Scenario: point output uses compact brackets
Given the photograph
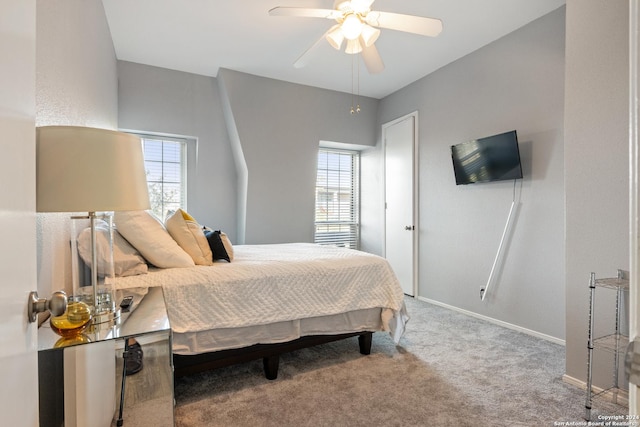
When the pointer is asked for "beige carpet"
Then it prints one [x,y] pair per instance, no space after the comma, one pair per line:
[449,370]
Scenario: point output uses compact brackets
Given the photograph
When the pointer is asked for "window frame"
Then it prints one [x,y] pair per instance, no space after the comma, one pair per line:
[353,223]
[184,166]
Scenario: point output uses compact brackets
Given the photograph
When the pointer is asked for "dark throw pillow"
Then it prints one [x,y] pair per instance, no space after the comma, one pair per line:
[217,242]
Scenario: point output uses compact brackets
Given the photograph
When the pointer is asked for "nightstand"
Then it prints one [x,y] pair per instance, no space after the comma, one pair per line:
[148,394]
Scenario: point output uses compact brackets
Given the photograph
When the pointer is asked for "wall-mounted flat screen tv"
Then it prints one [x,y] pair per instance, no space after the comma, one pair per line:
[493,158]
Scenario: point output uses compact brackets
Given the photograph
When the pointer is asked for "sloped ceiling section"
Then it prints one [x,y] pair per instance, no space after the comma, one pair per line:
[238,156]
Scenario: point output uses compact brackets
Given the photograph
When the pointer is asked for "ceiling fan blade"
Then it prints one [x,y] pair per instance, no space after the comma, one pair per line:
[303,59]
[408,23]
[372,59]
[303,12]
[362,4]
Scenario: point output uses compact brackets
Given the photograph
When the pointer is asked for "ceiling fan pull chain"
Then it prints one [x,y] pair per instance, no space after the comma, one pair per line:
[358,83]
[352,85]
[355,84]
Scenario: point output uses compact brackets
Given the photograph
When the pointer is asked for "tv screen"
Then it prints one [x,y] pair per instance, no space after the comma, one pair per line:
[493,158]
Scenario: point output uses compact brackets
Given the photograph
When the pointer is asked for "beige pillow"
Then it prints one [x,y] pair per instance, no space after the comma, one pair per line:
[188,233]
[127,261]
[149,236]
[227,245]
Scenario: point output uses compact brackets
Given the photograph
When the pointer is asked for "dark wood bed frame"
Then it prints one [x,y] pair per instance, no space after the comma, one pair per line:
[269,353]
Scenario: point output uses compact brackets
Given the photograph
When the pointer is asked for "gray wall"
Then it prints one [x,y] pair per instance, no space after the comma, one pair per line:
[152,99]
[596,162]
[254,175]
[277,127]
[517,83]
[76,84]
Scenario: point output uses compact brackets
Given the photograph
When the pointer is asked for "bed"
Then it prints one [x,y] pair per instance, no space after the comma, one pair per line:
[272,299]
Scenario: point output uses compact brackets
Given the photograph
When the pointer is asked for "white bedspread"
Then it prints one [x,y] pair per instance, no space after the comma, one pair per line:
[272,283]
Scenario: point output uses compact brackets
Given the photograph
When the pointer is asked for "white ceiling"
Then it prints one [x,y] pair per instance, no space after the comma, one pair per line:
[201,36]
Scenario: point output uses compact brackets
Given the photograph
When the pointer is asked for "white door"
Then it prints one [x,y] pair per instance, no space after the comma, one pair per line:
[18,338]
[400,214]
[634,190]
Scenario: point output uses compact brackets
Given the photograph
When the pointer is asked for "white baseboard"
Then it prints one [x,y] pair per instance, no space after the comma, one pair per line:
[496,321]
[622,395]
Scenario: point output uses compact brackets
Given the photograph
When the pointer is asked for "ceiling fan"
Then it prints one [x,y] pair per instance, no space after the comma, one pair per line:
[359,26]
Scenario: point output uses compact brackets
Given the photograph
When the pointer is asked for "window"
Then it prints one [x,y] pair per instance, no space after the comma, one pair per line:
[165,165]
[337,198]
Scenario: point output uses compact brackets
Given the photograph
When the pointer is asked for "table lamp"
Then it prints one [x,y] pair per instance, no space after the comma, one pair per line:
[98,171]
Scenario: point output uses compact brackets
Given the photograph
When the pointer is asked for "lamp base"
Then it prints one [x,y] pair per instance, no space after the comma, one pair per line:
[106,317]
[106,312]
[92,266]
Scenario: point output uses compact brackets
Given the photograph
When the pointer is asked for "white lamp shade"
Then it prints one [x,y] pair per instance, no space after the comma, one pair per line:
[369,35]
[335,37]
[353,47]
[82,169]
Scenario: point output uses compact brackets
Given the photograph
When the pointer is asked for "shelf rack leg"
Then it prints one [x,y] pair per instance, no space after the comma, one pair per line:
[616,363]
[592,295]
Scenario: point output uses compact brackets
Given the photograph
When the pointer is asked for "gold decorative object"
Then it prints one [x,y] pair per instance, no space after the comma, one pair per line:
[67,342]
[73,322]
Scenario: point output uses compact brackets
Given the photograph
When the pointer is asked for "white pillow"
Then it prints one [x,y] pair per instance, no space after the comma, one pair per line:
[188,233]
[149,236]
[127,261]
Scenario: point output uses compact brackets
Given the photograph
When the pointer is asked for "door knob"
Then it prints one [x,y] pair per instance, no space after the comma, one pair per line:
[57,304]
[408,227]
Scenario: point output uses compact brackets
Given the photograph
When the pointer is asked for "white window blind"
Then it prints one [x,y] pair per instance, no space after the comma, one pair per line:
[337,198]
[165,165]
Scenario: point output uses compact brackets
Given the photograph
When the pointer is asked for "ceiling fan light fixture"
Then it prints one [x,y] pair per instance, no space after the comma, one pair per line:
[369,35]
[361,6]
[353,47]
[342,5]
[335,37]
[361,27]
[352,27]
